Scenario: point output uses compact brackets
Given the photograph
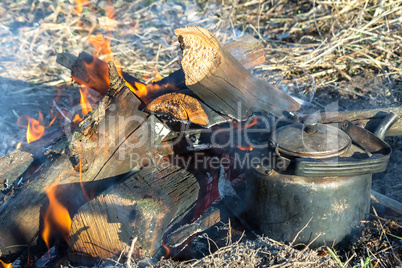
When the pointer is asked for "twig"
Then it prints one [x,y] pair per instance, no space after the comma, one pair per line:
[130,252]
[299,232]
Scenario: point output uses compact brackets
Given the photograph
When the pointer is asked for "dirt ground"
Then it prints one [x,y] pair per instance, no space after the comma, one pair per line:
[343,55]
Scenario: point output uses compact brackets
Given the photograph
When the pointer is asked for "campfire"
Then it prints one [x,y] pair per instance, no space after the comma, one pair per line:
[149,168]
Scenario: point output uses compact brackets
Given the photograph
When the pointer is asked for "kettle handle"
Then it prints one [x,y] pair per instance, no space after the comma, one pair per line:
[378,151]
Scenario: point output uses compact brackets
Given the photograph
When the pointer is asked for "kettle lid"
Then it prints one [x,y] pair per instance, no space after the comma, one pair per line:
[311,139]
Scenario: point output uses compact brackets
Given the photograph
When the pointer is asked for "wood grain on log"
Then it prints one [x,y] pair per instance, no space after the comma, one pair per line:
[144,206]
[180,106]
[219,80]
[247,50]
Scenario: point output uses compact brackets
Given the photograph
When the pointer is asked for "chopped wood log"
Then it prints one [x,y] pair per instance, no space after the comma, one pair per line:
[219,80]
[179,236]
[247,50]
[92,72]
[145,206]
[179,106]
[112,142]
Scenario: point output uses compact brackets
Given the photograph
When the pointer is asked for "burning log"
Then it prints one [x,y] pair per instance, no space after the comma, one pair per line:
[222,82]
[91,158]
[95,156]
[92,72]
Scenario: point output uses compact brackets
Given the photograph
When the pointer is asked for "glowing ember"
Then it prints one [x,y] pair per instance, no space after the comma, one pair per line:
[80,6]
[5,265]
[252,123]
[57,219]
[167,251]
[245,148]
[85,105]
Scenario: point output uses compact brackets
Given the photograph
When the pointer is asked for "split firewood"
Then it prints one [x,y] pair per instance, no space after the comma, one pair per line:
[219,80]
[179,106]
[151,205]
[145,206]
[92,72]
[247,50]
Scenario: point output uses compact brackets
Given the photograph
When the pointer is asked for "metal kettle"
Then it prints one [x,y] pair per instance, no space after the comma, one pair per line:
[316,188]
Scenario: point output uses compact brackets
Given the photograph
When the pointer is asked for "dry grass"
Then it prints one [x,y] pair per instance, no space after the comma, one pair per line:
[335,50]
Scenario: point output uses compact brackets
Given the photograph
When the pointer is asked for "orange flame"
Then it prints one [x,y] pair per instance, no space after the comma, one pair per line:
[5,265]
[158,77]
[252,123]
[18,145]
[81,184]
[77,118]
[110,10]
[35,128]
[80,6]
[245,148]
[56,217]
[155,74]
[86,106]
[102,47]
[141,89]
